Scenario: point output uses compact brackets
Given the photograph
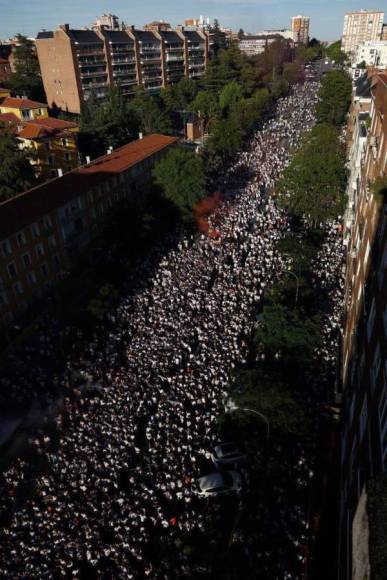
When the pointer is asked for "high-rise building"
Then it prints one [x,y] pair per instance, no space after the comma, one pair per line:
[77,65]
[110,21]
[360,27]
[363,454]
[300,29]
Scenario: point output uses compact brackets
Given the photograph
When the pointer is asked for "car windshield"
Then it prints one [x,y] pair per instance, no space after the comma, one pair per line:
[227,479]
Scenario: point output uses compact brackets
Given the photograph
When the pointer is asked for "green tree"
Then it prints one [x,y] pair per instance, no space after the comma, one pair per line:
[181,176]
[16,171]
[268,394]
[230,95]
[26,80]
[226,138]
[314,184]
[111,124]
[150,116]
[288,333]
[334,52]
[334,97]
[207,105]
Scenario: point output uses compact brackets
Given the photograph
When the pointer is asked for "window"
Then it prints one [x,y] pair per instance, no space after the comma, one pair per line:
[363,418]
[18,288]
[39,248]
[371,320]
[382,412]
[21,239]
[12,271]
[27,259]
[68,156]
[44,269]
[31,277]
[6,248]
[52,242]
[3,298]
[35,231]
[51,160]
[374,371]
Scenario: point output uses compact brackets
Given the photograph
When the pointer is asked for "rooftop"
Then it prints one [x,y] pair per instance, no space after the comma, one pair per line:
[25,208]
[14,103]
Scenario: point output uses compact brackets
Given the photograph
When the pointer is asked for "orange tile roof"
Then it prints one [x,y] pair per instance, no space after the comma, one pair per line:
[52,123]
[27,207]
[15,103]
[31,131]
[9,118]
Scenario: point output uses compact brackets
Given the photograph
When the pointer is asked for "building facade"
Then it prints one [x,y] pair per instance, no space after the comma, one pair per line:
[360,27]
[51,144]
[44,230]
[373,53]
[78,65]
[5,70]
[253,45]
[363,453]
[300,29]
[283,32]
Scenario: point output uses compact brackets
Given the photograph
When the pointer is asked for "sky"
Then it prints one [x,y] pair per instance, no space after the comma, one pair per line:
[30,16]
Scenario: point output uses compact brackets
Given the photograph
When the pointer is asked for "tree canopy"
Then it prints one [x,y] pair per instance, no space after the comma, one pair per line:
[181,176]
[314,183]
[334,97]
[16,171]
[26,80]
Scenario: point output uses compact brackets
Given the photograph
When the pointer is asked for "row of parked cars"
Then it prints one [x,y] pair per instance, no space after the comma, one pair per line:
[225,481]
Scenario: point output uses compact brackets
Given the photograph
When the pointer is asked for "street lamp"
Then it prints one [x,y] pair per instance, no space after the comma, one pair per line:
[231,407]
[297,281]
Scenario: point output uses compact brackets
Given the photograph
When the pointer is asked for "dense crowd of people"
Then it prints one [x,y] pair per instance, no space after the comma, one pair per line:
[114,494]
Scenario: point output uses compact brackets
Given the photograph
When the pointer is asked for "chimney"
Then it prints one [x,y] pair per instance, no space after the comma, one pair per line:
[60,172]
[140,136]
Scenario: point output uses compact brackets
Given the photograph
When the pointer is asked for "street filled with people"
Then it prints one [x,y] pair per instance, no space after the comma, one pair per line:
[105,490]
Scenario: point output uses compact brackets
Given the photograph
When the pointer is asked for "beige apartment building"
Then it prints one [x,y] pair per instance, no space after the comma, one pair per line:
[77,65]
[360,27]
[300,29]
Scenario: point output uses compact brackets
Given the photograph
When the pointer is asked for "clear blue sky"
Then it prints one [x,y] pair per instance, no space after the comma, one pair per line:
[29,16]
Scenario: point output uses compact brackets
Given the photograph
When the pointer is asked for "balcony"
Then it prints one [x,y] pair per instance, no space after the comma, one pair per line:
[94,73]
[124,73]
[149,58]
[94,85]
[122,49]
[170,58]
[120,60]
[92,62]
[90,52]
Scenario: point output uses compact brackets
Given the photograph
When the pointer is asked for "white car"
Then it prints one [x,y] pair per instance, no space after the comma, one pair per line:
[218,484]
[227,454]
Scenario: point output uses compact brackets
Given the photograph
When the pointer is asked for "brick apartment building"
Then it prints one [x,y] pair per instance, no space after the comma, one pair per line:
[44,230]
[364,367]
[80,64]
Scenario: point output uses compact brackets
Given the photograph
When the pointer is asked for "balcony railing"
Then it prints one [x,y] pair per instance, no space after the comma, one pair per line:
[94,85]
[90,51]
[122,49]
[94,73]
[122,60]
[92,62]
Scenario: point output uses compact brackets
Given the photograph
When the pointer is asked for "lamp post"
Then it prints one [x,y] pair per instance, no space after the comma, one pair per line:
[297,282]
[231,407]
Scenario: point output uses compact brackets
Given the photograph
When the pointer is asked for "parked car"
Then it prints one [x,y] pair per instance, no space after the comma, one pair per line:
[216,484]
[227,454]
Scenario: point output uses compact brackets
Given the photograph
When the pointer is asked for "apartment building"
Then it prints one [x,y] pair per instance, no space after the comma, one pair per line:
[360,27]
[78,65]
[44,230]
[363,455]
[373,53]
[253,45]
[283,32]
[300,29]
